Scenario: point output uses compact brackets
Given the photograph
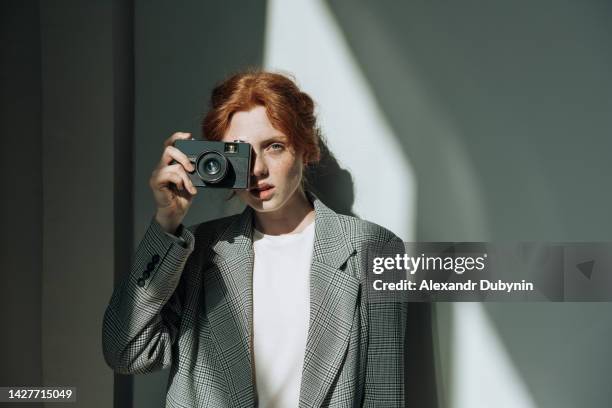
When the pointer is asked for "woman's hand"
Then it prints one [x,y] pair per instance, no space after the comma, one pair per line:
[172,188]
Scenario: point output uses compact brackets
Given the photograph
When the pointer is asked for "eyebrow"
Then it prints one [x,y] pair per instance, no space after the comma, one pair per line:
[279,138]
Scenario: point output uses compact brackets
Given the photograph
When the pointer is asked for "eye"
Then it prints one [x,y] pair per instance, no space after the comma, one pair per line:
[276,147]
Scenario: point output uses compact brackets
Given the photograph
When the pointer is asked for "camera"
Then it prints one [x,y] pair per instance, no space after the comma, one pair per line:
[218,164]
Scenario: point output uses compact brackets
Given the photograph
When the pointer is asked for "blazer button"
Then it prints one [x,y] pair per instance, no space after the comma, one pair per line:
[150,266]
[146,275]
[155,258]
[141,282]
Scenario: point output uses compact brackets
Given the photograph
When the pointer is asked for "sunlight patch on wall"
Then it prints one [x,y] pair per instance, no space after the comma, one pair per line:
[303,38]
[483,373]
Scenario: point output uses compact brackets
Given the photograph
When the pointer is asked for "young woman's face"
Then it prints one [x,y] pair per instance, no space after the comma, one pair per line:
[276,169]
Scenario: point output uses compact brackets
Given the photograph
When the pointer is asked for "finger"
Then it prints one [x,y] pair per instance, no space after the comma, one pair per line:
[175,136]
[187,183]
[172,153]
[185,195]
[168,177]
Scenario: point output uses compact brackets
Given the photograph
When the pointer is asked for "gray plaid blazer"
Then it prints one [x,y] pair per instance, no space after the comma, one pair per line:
[189,307]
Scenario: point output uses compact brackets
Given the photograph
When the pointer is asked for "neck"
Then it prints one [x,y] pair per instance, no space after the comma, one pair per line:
[292,218]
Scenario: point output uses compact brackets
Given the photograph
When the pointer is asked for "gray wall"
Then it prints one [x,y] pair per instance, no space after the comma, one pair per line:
[63,149]
[517,97]
[524,91]
[21,205]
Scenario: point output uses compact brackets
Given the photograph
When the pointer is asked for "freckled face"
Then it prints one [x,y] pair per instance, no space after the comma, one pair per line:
[276,169]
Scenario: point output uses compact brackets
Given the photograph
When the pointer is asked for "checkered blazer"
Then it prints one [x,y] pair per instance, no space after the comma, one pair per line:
[189,307]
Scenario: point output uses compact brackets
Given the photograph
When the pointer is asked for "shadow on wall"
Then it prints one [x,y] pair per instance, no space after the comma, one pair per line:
[331,183]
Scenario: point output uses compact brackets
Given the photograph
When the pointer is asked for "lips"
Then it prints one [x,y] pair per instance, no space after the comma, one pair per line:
[262,191]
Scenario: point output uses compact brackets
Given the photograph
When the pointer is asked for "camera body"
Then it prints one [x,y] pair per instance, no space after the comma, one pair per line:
[218,164]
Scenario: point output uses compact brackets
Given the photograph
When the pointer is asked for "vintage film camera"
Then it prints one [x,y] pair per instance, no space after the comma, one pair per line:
[218,164]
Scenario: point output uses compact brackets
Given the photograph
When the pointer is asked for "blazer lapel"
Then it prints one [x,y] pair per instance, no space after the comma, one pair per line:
[333,298]
[229,305]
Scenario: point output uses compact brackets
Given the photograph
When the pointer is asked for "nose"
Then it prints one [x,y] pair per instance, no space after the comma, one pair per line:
[259,170]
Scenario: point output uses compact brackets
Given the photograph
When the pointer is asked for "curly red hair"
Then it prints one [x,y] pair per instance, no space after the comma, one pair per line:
[290,110]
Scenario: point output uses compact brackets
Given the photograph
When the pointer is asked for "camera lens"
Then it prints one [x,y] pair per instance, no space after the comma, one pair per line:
[211,167]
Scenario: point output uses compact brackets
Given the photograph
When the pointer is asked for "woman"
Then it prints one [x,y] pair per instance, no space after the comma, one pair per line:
[268,307]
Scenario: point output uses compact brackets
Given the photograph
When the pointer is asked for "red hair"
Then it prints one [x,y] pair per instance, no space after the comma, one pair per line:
[290,110]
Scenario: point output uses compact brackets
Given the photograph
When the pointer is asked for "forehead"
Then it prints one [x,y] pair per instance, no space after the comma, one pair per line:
[252,126]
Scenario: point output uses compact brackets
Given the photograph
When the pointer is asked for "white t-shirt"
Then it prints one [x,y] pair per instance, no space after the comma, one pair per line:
[281,311]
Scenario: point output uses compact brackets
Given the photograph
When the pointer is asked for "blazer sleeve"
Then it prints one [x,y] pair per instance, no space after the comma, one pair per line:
[386,355]
[141,321]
